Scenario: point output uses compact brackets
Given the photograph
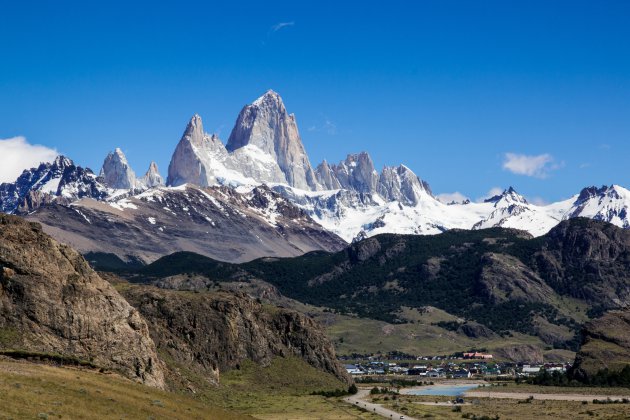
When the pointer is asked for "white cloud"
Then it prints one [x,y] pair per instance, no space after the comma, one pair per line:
[450,197]
[16,154]
[537,166]
[327,126]
[278,26]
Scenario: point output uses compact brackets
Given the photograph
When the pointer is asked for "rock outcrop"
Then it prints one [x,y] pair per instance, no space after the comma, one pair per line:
[152,178]
[116,172]
[211,333]
[54,303]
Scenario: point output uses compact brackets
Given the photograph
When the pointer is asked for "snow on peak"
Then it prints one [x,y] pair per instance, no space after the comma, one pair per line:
[268,96]
[507,197]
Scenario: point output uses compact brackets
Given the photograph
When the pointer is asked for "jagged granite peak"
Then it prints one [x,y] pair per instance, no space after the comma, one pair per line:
[326,177]
[357,173]
[192,161]
[152,178]
[401,184]
[116,171]
[266,125]
[50,181]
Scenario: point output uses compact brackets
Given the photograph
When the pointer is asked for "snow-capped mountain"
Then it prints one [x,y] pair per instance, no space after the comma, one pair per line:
[267,126]
[264,151]
[60,180]
[607,203]
[511,210]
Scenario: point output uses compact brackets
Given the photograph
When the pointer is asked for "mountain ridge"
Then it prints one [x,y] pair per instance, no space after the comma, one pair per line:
[350,199]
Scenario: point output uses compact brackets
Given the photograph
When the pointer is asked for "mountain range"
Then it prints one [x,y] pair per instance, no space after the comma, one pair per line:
[258,195]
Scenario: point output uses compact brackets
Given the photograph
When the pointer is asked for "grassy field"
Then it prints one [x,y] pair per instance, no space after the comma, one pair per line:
[33,391]
[420,336]
[280,391]
[506,409]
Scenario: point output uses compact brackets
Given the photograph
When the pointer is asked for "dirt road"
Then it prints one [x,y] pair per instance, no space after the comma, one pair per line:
[359,401]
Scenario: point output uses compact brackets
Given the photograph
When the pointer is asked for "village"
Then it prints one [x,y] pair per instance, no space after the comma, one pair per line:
[458,366]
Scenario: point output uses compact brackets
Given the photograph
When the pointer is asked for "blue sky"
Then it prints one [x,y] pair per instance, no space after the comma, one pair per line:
[470,95]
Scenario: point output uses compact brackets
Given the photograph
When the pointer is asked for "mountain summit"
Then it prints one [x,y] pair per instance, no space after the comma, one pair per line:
[116,171]
[198,157]
[266,125]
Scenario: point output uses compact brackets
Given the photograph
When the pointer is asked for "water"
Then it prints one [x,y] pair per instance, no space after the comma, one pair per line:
[446,390]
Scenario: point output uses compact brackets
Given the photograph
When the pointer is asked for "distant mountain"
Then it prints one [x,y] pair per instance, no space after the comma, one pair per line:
[265,126]
[350,199]
[117,173]
[609,204]
[215,221]
[59,181]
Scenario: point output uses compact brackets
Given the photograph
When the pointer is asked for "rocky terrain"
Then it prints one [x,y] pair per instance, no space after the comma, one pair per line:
[215,221]
[52,302]
[54,306]
[501,281]
[211,333]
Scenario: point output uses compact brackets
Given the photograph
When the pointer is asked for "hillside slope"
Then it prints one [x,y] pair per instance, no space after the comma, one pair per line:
[606,345]
[499,278]
[218,222]
[213,333]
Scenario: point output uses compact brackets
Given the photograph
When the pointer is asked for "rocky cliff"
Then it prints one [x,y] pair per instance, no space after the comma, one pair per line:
[116,171]
[52,302]
[266,125]
[210,333]
[152,177]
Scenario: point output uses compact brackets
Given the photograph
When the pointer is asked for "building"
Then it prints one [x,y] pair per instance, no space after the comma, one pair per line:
[353,370]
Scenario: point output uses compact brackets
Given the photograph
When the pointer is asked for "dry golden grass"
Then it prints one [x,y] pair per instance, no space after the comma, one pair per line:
[279,391]
[31,391]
